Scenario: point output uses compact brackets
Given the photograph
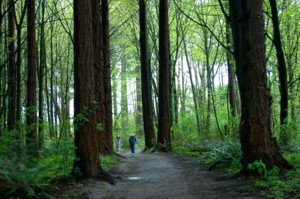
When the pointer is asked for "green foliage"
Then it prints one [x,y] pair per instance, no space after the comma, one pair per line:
[22,180]
[100,127]
[258,166]
[291,131]
[109,162]
[83,116]
[276,185]
[225,154]
[225,151]
[184,150]
[23,176]
[185,132]
[294,158]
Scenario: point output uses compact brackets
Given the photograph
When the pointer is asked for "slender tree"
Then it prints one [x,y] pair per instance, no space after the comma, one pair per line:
[192,85]
[11,66]
[146,78]
[282,72]
[107,73]
[124,95]
[231,71]
[164,135]
[31,80]
[19,61]
[256,138]
[1,70]
[41,72]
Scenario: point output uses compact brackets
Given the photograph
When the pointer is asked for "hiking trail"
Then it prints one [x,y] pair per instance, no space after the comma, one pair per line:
[164,175]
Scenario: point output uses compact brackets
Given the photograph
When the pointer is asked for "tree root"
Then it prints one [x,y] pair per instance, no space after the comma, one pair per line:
[104,175]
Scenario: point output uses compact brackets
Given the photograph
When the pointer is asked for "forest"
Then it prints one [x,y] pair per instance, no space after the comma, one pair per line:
[213,79]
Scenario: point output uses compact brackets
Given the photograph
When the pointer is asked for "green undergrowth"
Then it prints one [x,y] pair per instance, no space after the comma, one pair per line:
[22,176]
[226,155]
[184,151]
[274,184]
[109,163]
[223,154]
[28,177]
[220,154]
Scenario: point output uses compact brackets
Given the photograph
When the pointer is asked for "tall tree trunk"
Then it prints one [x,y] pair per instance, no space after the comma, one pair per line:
[11,66]
[85,130]
[256,138]
[86,151]
[139,106]
[31,80]
[164,135]
[231,71]
[124,100]
[50,93]
[115,102]
[209,83]
[146,78]
[1,71]
[1,19]
[41,74]
[19,64]
[282,72]
[231,81]
[183,90]
[98,77]
[193,87]
[107,74]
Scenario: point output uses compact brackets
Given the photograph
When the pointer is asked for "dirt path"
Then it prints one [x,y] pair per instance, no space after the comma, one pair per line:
[161,176]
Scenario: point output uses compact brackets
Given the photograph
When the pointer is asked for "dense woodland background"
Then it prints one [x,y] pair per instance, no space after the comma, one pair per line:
[88,70]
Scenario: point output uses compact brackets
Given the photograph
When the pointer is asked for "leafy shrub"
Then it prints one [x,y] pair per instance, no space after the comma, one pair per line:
[21,180]
[184,150]
[226,153]
[24,176]
[258,166]
[108,163]
[275,185]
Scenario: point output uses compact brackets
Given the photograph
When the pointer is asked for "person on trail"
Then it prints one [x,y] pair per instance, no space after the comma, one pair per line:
[118,143]
[132,141]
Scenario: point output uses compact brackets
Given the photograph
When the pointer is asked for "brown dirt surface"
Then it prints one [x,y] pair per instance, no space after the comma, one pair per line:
[162,175]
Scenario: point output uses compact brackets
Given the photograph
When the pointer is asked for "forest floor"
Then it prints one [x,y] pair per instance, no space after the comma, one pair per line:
[163,175]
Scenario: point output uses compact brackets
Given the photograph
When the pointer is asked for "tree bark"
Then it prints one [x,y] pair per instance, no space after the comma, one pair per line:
[31,80]
[42,67]
[146,78]
[19,26]
[209,83]
[107,74]
[98,71]
[115,102]
[164,136]
[86,151]
[11,117]
[139,106]
[256,138]
[282,72]
[124,99]
[1,70]
[231,71]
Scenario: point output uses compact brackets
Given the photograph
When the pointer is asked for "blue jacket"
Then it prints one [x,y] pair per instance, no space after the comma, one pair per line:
[132,140]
